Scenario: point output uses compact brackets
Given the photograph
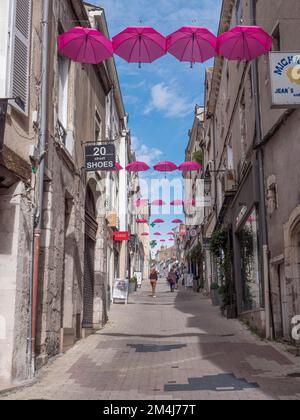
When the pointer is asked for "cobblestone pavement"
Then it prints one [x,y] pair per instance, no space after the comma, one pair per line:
[174,347]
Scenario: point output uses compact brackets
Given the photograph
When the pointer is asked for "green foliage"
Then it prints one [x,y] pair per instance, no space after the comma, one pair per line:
[198,157]
[220,248]
[196,251]
[133,280]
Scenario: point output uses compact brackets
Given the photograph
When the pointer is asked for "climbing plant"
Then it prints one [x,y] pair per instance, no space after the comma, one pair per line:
[198,157]
[221,249]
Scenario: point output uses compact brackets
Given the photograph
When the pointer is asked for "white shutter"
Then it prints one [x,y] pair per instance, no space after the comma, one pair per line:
[20,52]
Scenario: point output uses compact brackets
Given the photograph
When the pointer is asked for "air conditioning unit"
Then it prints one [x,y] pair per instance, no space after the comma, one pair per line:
[112,220]
[230,181]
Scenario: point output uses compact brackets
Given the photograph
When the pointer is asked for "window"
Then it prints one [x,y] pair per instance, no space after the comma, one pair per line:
[276,39]
[4,26]
[98,127]
[239,12]
[230,163]
[243,126]
[20,52]
[63,75]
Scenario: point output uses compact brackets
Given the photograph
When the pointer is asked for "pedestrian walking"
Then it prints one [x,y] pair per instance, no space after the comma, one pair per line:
[172,280]
[153,281]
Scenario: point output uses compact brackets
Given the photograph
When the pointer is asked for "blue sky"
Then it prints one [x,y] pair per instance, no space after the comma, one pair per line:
[161,97]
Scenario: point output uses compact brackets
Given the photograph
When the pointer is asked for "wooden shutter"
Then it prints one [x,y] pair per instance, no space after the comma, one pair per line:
[20,52]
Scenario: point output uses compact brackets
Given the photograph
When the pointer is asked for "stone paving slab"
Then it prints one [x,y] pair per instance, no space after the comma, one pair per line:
[174,347]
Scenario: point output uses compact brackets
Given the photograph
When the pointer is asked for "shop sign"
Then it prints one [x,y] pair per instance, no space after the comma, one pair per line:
[121,289]
[101,157]
[121,236]
[285,79]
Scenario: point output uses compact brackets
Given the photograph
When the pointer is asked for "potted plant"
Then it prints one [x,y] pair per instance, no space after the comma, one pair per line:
[133,285]
[215,294]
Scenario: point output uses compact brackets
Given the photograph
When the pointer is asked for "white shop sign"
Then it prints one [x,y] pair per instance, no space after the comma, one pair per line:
[121,289]
[285,79]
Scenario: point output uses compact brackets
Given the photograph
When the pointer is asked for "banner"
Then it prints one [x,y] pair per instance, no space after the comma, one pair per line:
[101,157]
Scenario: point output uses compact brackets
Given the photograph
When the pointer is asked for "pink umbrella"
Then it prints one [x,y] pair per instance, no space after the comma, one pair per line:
[158,203]
[157,234]
[171,233]
[140,44]
[177,203]
[162,240]
[141,202]
[158,221]
[190,167]
[165,167]
[177,221]
[190,202]
[141,221]
[137,167]
[117,168]
[145,234]
[244,43]
[192,44]
[171,239]
[85,45]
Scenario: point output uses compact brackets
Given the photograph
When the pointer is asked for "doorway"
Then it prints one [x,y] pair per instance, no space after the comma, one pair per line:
[89,260]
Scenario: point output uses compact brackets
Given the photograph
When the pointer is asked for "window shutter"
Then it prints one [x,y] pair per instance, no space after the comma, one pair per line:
[20,53]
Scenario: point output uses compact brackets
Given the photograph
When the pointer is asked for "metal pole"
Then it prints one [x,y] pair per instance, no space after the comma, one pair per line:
[261,177]
[42,149]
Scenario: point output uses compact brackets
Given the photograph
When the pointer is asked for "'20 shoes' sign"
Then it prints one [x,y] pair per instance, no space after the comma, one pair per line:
[100,157]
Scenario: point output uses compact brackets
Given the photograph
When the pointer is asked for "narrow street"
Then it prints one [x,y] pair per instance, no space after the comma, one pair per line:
[174,347]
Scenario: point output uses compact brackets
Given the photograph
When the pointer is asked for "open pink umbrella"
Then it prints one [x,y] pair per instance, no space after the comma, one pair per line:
[192,44]
[190,167]
[158,221]
[165,167]
[158,203]
[177,221]
[140,44]
[190,202]
[171,233]
[141,221]
[85,45]
[162,240]
[117,168]
[141,202]
[177,203]
[145,234]
[157,234]
[244,43]
[137,167]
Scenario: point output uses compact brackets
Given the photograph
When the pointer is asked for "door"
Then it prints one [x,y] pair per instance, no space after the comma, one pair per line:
[89,278]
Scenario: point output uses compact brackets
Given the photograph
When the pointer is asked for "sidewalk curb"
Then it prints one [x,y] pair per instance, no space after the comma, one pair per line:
[16,388]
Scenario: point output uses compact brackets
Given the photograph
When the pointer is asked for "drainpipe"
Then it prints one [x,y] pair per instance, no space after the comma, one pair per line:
[261,176]
[42,151]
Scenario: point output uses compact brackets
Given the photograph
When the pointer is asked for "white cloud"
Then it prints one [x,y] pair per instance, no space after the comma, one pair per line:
[144,153]
[167,100]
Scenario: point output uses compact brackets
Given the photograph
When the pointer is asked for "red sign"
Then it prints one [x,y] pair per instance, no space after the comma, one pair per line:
[121,236]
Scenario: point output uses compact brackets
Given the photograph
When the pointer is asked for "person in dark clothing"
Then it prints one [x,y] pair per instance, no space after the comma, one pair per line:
[172,280]
[153,281]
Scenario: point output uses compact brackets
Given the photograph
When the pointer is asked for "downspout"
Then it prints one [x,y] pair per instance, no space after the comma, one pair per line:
[42,151]
[261,178]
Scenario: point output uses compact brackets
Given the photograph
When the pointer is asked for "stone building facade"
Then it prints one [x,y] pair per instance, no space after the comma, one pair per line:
[78,257]
[247,157]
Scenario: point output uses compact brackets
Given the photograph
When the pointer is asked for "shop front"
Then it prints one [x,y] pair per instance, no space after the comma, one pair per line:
[247,248]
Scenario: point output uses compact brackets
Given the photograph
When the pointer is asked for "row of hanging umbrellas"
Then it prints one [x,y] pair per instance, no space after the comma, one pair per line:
[160,203]
[164,167]
[158,221]
[143,44]
[160,167]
